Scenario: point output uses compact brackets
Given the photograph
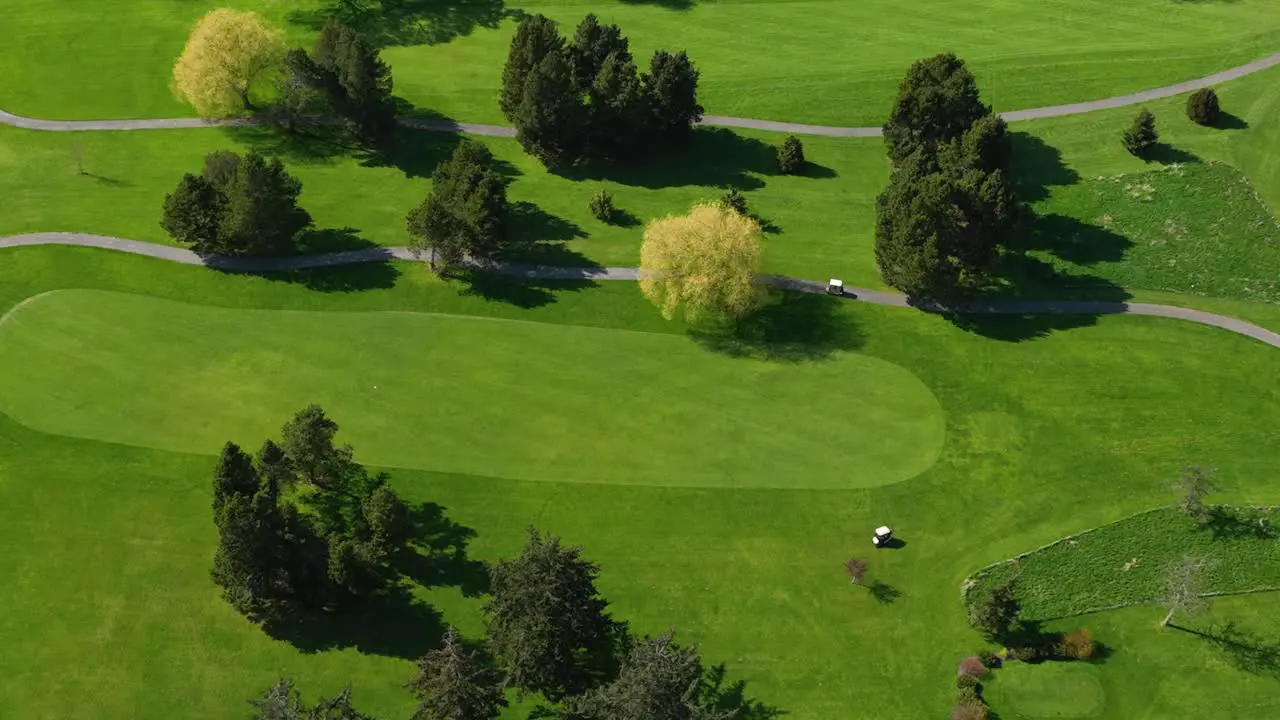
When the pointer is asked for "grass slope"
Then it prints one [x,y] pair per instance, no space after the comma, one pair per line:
[1074,426]
[500,398]
[1124,562]
[816,61]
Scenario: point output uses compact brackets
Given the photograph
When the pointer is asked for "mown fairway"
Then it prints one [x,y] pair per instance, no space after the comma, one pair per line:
[1080,423]
[816,61]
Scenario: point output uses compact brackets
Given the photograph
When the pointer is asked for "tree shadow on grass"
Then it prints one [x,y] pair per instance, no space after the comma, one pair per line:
[883,592]
[1073,241]
[326,240]
[445,562]
[1037,166]
[791,327]
[357,277]
[311,143]
[393,624]
[1228,121]
[413,151]
[731,698]
[1226,523]
[1166,154]
[522,292]
[677,5]
[409,22]
[712,157]
[1246,650]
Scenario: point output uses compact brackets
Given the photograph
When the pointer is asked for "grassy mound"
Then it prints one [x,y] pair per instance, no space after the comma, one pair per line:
[1123,563]
[817,61]
[1198,229]
[498,398]
[1052,691]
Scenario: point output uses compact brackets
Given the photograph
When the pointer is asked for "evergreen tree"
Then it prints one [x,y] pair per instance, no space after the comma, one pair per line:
[356,80]
[1141,136]
[549,118]
[791,156]
[915,216]
[615,109]
[672,89]
[453,683]
[937,102]
[193,213]
[546,620]
[233,475]
[1203,107]
[262,216]
[248,564]
[307,440]
[273,465]
[280,702]
[220,168]
[658,680]
[536,38]
[465,214]
[592,45]
[387,523]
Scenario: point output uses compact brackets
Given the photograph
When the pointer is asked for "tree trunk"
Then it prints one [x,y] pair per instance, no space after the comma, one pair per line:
[1167,618]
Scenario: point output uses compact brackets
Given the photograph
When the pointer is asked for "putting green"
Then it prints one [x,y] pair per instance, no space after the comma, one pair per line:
[1049,691]
[464,395]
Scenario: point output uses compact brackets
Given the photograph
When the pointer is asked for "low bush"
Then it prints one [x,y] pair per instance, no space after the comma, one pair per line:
[1141,136]
[988,658]
[602,206]
[965,694]
[1202,107]
[972,667]
[966,681]
[973,709]
[791,156]
[1077,645]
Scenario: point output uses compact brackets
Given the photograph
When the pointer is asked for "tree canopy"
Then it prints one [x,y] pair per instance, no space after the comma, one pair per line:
[454,683]
[344,76]
[658,680]
[465,214]
[546,620]
[239,205]
[702,265]
[228,51]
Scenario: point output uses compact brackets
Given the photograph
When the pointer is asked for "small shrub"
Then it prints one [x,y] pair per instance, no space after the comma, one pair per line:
[970,710]
[791,156]
[1202,107]
[1030,654]
[988,658]
[602,206]
[972,667]
[1078,645]
[966,694]
[857,570]
[1141,136]
[735,201]
[966,681]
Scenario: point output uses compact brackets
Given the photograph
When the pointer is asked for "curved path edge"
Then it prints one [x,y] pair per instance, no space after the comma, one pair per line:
[1117,101]
[545,272]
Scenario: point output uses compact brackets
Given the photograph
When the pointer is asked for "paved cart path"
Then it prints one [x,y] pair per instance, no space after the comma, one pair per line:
[875,297]
[712,120]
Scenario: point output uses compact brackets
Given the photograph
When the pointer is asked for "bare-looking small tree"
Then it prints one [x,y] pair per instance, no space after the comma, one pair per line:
[1193,486]
[1183,589]
[857,570]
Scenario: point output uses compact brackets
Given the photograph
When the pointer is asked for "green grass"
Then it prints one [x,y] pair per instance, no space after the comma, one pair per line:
[1198,229]
[1123,563]
[1076,425]
[1051,691]
[500,398]
[1154,673]
[832,62]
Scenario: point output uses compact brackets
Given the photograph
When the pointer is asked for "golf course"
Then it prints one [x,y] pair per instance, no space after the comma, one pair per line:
[1100,410]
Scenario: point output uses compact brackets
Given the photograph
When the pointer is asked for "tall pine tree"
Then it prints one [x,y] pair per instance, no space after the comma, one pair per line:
[454,683]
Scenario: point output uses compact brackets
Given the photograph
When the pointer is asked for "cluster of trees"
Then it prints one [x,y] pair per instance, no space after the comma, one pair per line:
[586,100]
[302,527]
[237,205]
[465,214]
[703,266]
[548,632]
[950,206]
[231,53]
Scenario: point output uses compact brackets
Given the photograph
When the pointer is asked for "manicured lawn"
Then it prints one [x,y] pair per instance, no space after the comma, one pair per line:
[816,61]
[1124,562]
[1076,425]
[1047,692]
[526,401]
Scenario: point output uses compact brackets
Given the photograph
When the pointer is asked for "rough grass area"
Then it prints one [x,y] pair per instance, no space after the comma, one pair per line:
[1196,228]
[1123,563]
[823,61]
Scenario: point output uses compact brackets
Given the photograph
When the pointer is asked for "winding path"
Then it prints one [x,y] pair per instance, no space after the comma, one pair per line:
[875,297]
[711,120]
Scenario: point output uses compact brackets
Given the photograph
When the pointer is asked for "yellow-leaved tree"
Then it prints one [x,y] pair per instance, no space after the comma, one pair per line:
[227,51]
[703,265]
